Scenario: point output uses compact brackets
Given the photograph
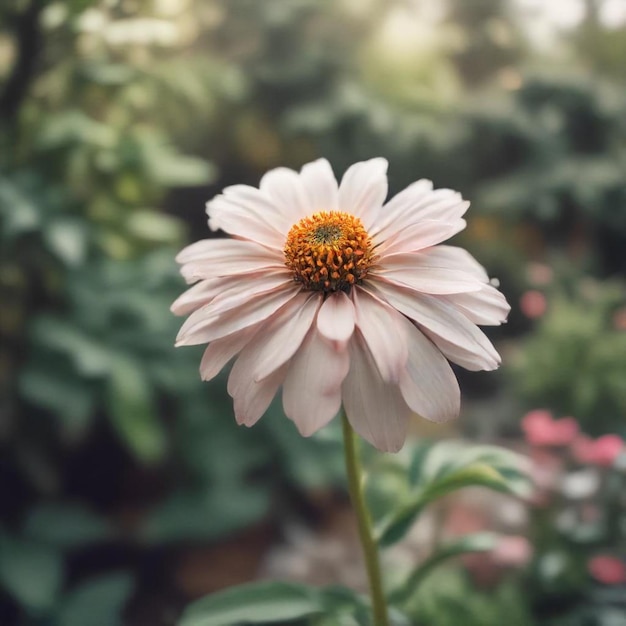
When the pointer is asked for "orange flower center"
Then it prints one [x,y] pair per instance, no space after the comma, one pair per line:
[329,251]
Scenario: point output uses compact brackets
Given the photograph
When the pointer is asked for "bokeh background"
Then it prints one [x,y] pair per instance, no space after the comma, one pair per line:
[126,489]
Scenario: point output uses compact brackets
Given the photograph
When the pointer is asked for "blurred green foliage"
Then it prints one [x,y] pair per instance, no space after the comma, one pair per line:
[118,120]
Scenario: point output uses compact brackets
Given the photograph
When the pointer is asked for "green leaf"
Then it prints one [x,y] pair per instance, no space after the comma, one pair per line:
[479,542]
[65,525]
[134,412]
[207,515]
[98,602]
[447,468]
[67,238]
[255,603]
[31,572]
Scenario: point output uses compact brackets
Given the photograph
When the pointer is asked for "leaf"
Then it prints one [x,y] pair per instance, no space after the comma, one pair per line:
[67,238]
[98,602]
[31,572]
[479,542]
[448,467]
[255,603]
[133,411]
[65,525]
[207,515]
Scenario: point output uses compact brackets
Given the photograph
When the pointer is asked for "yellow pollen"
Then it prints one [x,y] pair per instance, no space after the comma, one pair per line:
[329,251]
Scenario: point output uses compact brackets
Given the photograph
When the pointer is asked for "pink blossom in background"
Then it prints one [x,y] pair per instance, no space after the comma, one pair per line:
[539,273]
[602,451]
[540,429]
[533,304]
[512,551]
[607,569]
[619,319]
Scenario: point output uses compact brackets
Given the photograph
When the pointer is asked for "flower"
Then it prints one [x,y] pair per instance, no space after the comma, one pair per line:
[339,298]
[533,304]
[601,451]
[541,430]
[607,569]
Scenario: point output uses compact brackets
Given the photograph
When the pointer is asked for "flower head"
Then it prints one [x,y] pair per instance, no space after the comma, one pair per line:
[339,298]
[540,429]
[601,451]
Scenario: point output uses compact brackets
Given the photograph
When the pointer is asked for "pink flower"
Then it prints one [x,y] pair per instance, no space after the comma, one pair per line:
[340,299]
[512,551]
[541,430]
[607,569]
[539,273]
[533,304]
[619,319]
[602,451]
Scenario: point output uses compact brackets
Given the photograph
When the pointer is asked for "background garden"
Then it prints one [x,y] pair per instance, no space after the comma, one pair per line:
[126,489]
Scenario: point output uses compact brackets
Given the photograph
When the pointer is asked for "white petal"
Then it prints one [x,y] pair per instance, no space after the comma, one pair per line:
[259,203]
[384,334]
[460,340]
[336,318]
[487,307]
[428,384]
[425,280]
[227,213]
[414,205]
[202,270]
[320,185]
[401,203]
[245,288]
[375,409]
[224,249]
[253,400]
[363,190]
[200,328]
[452,257]
[222,350]
[200,294]
[418,236]
[281,336]
[286,190]
[312,388]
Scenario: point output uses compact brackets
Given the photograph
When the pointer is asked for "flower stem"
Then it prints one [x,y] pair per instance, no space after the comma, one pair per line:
[370,549]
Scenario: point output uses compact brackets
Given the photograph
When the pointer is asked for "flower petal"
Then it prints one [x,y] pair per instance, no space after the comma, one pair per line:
[222,350]
[239,221]
[335,319]
[375,409]
[417,204]
[363,190]
[428,384]
[281,335]
[251,402]
[320,185]
[383,332]
[312,387]
[419,236]
[200,294]
[424,279]
[286,190]
[487,306]
[202,328]
[246,288]
[460,340]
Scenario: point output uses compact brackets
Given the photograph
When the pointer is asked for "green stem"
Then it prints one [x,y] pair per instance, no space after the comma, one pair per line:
[370,549]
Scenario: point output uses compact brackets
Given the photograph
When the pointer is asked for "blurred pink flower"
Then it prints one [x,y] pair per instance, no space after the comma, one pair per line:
[602,451]
[339,298]
[619,319]
[533,304]
[539,273]
[512,551]
[607,569]
[540,429]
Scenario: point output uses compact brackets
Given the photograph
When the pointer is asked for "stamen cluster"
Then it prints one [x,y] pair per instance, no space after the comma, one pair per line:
[329,251]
